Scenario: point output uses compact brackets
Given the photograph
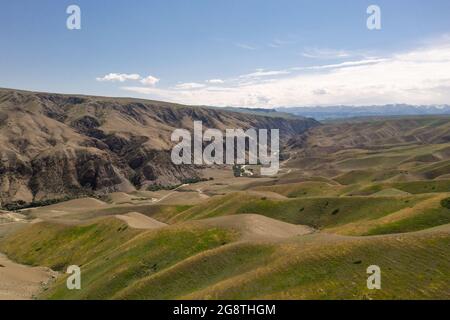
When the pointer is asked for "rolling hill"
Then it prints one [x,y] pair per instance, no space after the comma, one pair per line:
[352,193]
[213,259]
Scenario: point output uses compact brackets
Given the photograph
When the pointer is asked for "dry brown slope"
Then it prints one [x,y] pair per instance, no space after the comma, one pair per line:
[20,282]
[53,145]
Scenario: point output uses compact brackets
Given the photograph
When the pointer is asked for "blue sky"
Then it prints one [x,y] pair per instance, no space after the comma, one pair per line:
[259,53]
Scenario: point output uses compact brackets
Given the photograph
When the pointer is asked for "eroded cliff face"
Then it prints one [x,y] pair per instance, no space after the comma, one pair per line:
[59,145]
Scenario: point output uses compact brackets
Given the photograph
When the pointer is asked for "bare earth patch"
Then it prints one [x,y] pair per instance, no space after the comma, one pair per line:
[19,282]
[137,220]
[254,227]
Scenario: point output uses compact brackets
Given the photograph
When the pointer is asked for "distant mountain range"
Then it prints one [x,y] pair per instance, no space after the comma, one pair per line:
[341,112]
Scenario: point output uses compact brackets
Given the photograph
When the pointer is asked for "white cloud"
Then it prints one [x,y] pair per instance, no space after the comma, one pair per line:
[263,73]
[323,53]
[419,76]
[120,77]
[343,64]
[245,46]
[320,91]
[277,43]
[150,81]
[189,85]
[215,81]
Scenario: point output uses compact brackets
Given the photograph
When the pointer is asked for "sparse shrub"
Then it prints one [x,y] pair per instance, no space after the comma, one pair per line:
[445,203]
[154,187]
[59,266]
[105,198]
[335,211]
[158,187]
[20,204]
[194,180]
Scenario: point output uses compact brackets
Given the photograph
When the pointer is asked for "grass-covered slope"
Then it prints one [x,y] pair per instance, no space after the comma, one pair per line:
[111,255]
[306,189]
[357,215]
[198,262]
[414,266]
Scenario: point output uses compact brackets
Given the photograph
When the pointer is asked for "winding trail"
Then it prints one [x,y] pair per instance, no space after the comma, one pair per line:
[169,194]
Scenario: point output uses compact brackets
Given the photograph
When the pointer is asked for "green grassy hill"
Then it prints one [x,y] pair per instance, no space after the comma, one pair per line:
[111,254]
[194,261]
[357,215]
[413,187]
